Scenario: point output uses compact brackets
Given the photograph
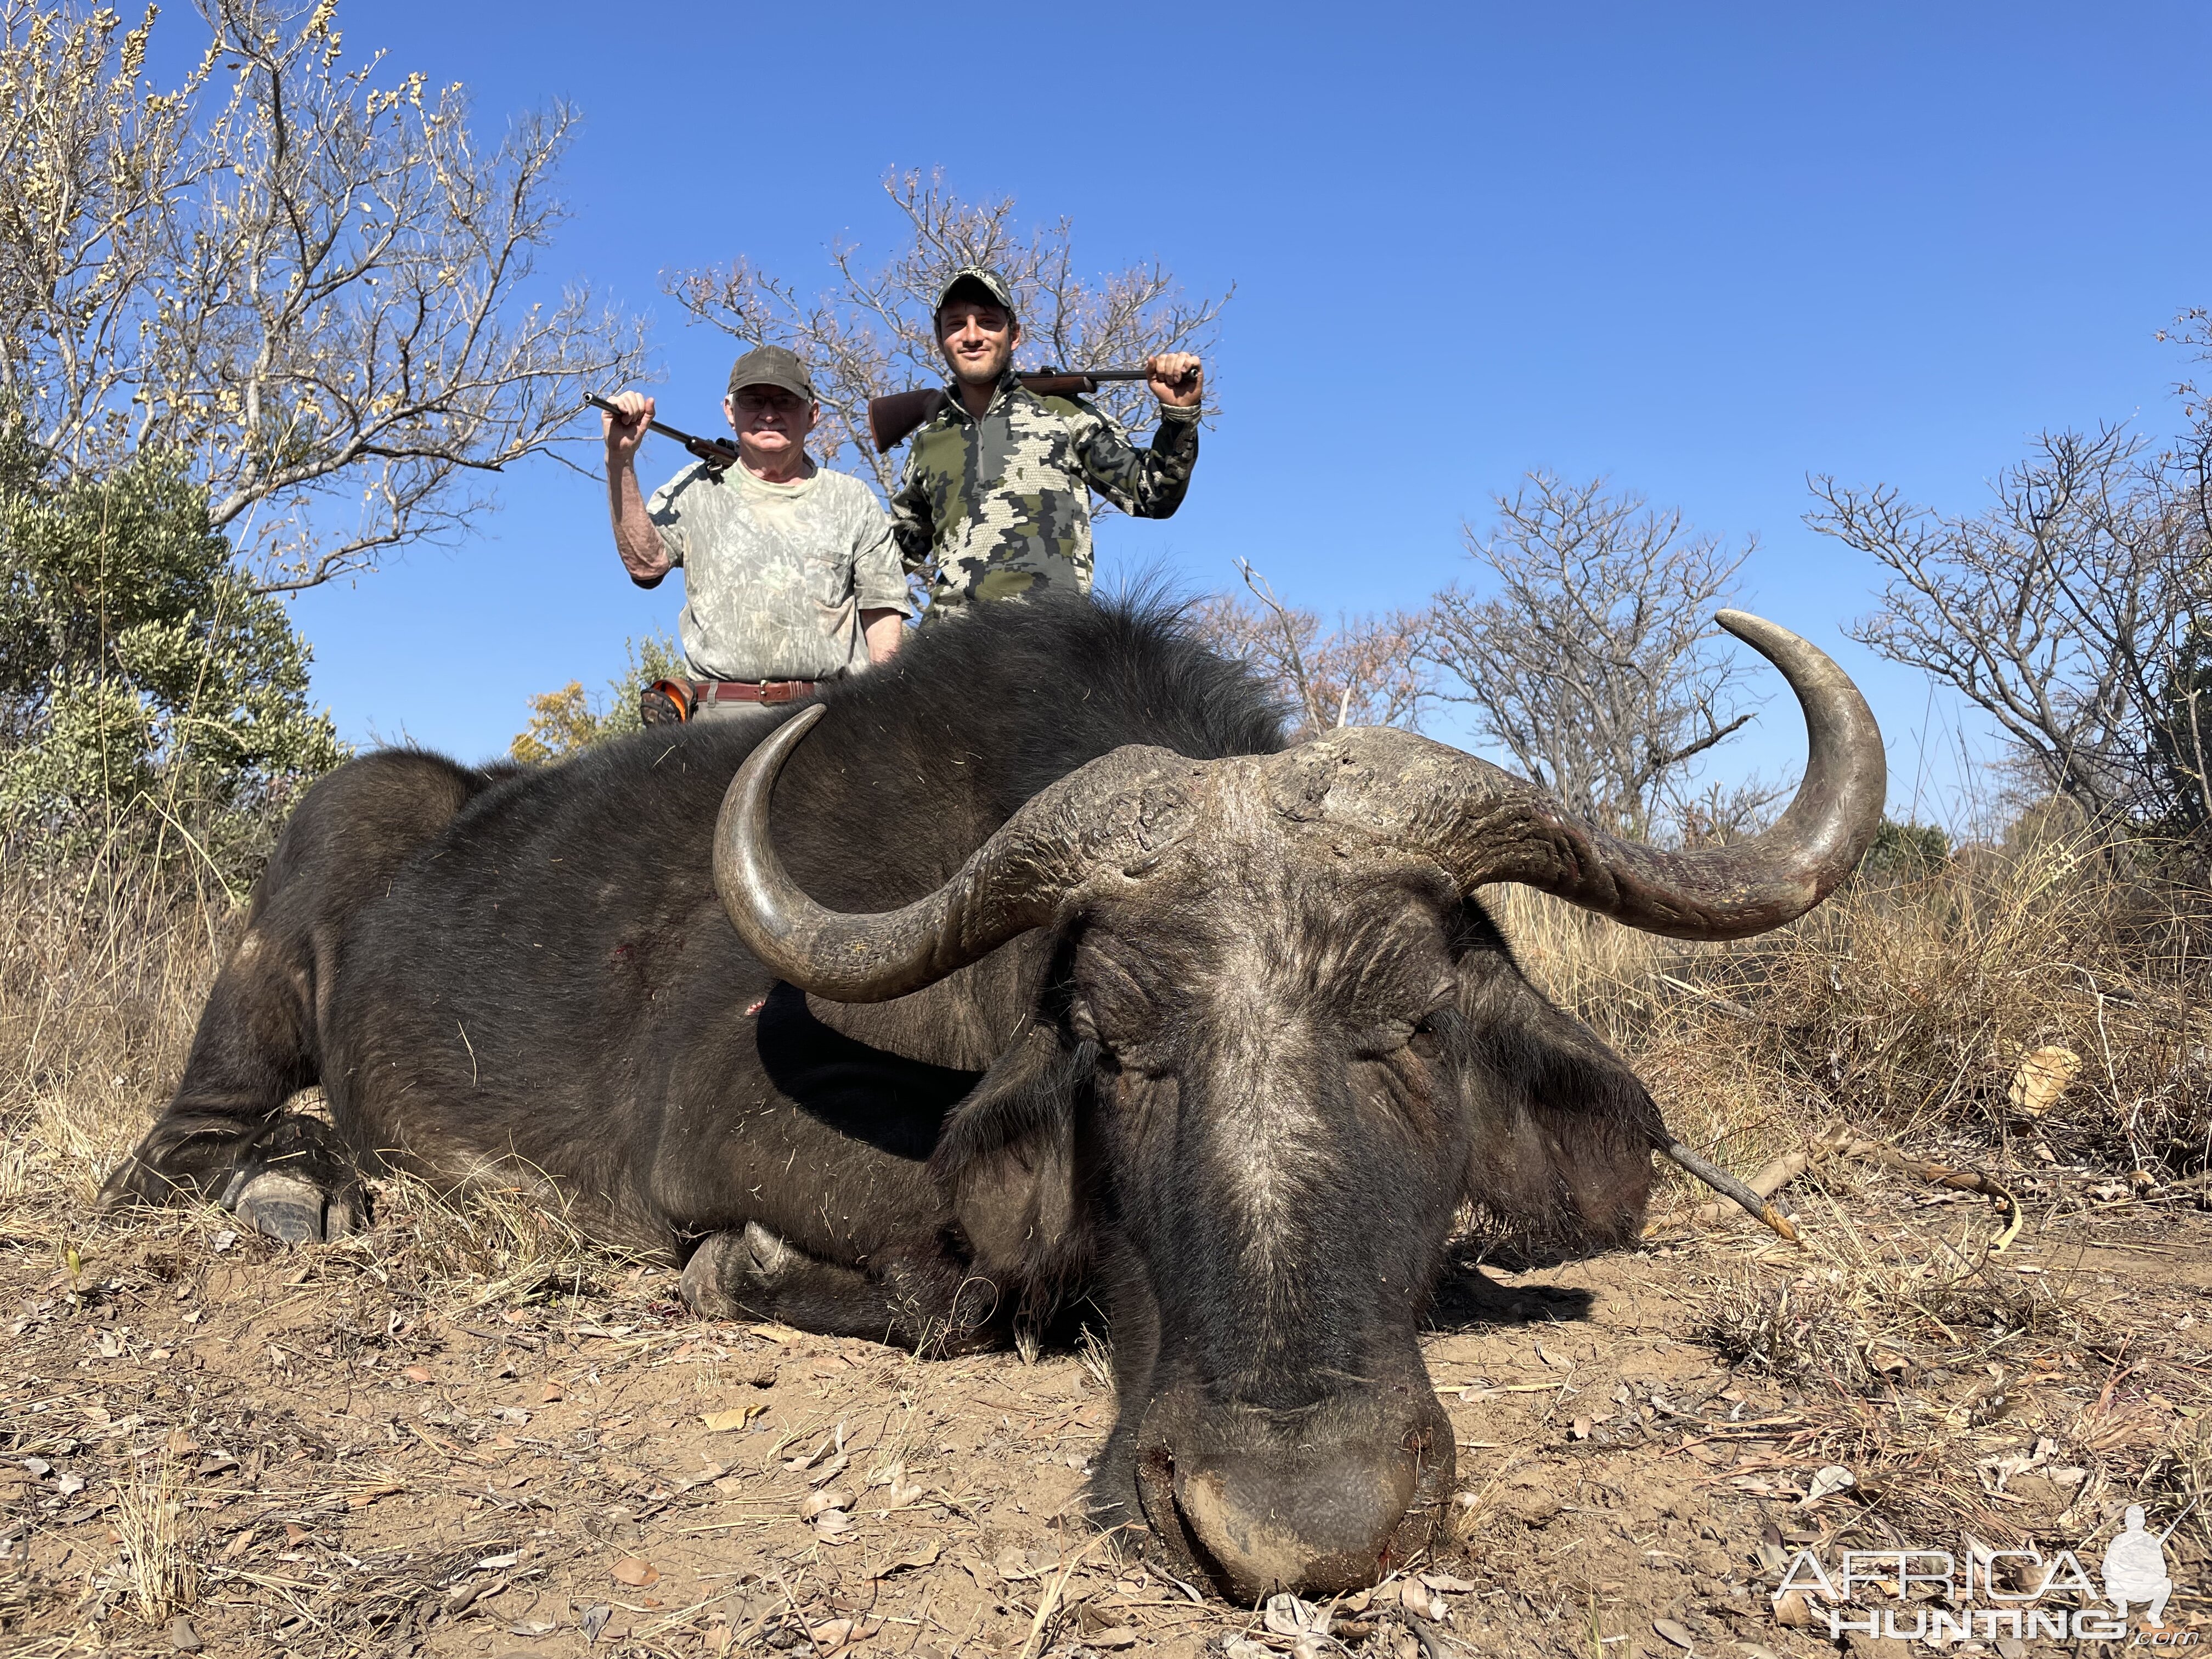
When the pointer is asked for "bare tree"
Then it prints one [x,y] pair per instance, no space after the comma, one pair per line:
[2072,612]
[869,332]
[1590,658]
[307,277]
[1362,673]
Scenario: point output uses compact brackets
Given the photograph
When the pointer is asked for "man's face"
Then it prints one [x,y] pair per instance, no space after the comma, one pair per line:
[978,339]
[769,422]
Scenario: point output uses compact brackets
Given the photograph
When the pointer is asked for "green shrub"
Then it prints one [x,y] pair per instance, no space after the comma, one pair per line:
[151,703]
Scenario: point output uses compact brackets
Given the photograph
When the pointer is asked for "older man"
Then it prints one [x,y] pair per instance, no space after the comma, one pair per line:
[790,579]
[996,494]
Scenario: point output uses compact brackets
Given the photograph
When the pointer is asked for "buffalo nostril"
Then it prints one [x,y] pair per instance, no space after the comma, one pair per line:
[1313,1523]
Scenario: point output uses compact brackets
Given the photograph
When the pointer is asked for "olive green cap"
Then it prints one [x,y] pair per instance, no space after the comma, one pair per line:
[981,285]
[772,366]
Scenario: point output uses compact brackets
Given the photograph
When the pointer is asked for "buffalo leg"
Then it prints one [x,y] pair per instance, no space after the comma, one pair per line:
[226,1137]
[921,1300]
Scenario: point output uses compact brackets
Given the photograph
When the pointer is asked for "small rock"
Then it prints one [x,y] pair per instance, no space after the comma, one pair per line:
[182,1637]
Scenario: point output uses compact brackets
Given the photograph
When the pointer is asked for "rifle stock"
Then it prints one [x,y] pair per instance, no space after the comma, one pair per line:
[892,418]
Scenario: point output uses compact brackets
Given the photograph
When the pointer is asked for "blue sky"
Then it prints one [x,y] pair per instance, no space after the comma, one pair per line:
[1705,251]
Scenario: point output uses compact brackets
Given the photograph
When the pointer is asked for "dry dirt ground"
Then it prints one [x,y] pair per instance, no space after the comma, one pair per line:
[308,1456]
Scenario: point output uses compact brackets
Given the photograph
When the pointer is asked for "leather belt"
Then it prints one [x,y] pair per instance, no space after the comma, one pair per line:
[753,691]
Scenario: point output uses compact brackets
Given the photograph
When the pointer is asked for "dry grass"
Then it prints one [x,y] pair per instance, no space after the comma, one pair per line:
[497,1239]
[100,984]
[157,1568]
[1855,1317]
[1905,1006]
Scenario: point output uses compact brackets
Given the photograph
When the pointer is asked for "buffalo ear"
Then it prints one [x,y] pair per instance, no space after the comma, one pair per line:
[1007,1155]
[1563,1130]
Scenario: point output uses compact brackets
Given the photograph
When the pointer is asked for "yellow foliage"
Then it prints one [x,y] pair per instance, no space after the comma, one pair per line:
[561,723]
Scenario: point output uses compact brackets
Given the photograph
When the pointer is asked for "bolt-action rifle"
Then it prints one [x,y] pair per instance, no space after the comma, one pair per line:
[717,453]
[890,418]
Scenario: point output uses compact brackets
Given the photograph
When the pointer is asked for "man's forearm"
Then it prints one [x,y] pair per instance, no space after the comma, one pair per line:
[884,630]
[635,538]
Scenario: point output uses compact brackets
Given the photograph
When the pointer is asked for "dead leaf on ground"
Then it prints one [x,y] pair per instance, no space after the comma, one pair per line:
[1826,1483]
[1416,1597]
[2041,1079]
[922,1555]
[635,1572]
[1677,1633]
[835,1439]
[736,1418]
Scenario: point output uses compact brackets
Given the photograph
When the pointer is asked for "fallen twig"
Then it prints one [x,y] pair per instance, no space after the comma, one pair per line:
[1840,1140]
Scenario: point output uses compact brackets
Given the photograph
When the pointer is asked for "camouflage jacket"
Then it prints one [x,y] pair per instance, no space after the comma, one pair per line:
[1003,506]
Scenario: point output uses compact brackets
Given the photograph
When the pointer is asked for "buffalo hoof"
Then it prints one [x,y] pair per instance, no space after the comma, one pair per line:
[727,1266]
[290,1210]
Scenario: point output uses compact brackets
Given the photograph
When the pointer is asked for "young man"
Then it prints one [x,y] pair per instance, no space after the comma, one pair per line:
[997,485]
[790,575]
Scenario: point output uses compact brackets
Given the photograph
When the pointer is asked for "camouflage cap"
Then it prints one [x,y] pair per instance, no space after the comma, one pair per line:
[772,366]
[992,285]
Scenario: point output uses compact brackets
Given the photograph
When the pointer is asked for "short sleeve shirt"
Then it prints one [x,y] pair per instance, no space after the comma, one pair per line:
[775,575]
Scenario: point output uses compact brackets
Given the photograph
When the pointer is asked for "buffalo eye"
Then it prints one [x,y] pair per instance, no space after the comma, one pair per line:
[1425,1043]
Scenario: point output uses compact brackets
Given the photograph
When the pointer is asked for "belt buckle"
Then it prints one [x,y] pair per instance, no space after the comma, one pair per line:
[776,691]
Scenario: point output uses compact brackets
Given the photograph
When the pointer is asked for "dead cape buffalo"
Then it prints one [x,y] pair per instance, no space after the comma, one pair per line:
[1033,965]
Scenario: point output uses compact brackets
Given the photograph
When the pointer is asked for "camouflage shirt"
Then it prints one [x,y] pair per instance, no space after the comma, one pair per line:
[1003,504]
[775,575]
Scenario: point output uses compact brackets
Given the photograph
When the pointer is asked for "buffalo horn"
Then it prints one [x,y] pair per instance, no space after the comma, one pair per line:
[1113,811]
[1483,825]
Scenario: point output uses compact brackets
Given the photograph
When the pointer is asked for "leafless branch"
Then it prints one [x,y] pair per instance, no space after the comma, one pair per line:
[306,277]
[1360,673]
[1588,657]
[2073,611]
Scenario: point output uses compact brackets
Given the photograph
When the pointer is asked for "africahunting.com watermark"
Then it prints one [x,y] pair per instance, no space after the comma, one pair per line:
[2002,1596]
